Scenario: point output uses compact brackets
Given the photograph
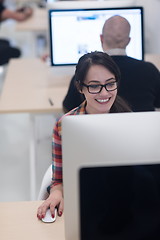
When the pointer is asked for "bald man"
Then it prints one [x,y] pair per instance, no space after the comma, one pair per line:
[140,80]
[115,34]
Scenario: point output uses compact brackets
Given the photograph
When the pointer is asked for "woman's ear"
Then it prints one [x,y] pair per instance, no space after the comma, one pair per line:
[79,88]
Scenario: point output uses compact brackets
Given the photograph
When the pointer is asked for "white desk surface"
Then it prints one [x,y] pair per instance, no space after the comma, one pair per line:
[18,221]
[30,83]
[37,22]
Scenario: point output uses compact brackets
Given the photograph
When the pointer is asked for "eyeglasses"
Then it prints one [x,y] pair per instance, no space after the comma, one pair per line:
[97,88]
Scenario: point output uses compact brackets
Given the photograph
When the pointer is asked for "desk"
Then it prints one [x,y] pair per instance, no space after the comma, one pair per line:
[29,87]
[30,83]
[18,221]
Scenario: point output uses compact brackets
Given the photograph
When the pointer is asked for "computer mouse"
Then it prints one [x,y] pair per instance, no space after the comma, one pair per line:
[48,218]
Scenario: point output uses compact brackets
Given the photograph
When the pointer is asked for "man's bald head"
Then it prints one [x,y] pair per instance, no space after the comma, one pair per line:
[115,33]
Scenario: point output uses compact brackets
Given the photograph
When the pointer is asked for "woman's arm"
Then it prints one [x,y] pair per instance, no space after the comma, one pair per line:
[55,198]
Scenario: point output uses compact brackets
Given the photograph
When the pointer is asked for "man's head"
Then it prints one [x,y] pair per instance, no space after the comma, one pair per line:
[115,33]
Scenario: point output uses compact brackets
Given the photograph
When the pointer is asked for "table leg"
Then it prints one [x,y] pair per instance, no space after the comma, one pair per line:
[32,158]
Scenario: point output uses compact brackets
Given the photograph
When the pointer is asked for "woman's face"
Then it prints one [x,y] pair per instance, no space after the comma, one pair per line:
[103,101]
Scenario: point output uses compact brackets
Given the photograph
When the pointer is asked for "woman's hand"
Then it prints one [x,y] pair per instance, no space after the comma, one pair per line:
[55,199]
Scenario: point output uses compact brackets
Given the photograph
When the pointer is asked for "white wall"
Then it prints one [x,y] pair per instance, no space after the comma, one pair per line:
[151,25]
[151,22]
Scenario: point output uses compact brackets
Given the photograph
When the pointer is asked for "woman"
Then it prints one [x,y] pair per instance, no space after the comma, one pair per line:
[97,77]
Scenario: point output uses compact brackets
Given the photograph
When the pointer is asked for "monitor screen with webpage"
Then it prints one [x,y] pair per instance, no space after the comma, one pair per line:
[112,145]
[74,32]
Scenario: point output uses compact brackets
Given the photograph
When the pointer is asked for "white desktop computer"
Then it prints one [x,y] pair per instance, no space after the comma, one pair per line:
[111,176]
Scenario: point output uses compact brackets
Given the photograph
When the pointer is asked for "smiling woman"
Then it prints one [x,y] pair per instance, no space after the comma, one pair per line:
[97,81]
[97,77]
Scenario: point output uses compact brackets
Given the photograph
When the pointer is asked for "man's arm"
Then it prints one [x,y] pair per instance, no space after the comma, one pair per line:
[16,15]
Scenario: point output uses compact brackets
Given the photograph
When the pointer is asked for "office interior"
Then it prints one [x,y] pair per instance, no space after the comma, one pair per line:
[15,127]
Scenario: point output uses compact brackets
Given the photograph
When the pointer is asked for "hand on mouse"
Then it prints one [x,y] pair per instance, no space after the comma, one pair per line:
[48,218]
[55,199]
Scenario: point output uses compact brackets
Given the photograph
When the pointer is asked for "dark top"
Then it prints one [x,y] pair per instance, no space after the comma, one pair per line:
[139,85]
[1,9]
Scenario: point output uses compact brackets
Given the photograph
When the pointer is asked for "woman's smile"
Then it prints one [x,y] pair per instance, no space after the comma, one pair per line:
[102,100]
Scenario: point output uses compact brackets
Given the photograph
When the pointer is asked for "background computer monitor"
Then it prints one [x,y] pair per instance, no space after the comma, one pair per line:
[107,140]
[73,32]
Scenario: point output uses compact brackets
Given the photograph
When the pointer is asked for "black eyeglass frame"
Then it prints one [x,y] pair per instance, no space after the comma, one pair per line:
[102,86]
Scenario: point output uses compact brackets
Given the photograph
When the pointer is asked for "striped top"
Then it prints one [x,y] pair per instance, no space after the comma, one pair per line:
[57,145]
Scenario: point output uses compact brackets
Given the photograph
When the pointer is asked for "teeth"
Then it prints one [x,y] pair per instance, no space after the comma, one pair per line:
[103,100]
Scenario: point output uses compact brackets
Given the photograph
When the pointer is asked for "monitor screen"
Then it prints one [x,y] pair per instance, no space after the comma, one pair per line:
[108,141]
[74,32]
[120,202]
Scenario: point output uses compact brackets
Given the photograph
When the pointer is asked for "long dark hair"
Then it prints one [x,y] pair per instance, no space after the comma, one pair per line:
[103,59]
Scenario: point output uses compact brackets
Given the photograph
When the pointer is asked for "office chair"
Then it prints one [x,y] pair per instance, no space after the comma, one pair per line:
[46,181]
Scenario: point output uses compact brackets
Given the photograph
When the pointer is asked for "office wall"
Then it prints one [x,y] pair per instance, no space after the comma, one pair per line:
[151,25]
[151,22]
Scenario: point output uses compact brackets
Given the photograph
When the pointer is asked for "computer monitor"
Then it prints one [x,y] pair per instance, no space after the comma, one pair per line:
[103,140]
[120,202]
[74,32]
